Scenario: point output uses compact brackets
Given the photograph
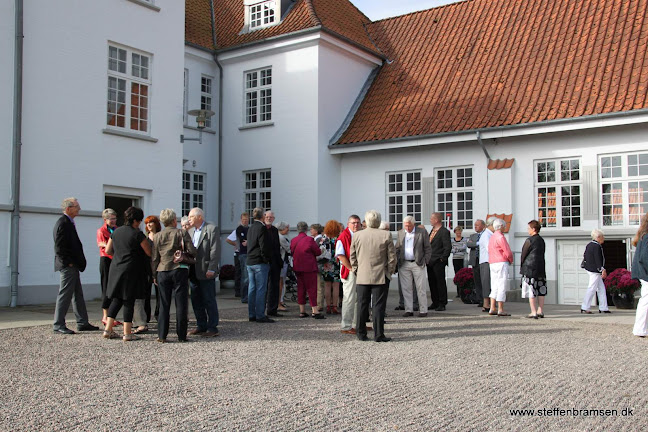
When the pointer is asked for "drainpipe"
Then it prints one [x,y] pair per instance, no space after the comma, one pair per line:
[220,118]
[15,159]
[483,147]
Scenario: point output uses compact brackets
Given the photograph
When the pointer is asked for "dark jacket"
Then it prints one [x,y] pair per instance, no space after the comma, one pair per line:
[640,260]
[533,258]
[594,259]
[275,247]
[473,245]
[67,245]
[441,246]
[258,245]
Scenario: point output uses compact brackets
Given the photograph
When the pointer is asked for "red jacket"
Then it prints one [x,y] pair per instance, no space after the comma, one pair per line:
[345,238]
[103,235]
[304,250]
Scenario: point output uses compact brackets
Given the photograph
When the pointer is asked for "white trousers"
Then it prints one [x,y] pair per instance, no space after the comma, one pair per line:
[499,280]
[595,286]
[349,302]
[641,318]
[411,275]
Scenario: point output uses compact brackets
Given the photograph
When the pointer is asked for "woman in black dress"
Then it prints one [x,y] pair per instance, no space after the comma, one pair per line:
[534,278]
[129,247]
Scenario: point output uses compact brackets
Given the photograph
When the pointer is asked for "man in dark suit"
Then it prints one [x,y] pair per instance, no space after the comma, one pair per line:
[413,252]
[69,260]
[441,247]
[206,239]
[258,266]
[276,263]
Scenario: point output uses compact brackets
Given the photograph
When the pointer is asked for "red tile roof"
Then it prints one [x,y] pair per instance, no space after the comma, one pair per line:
[488,63]
[506,218]
[336,16]
[496,164]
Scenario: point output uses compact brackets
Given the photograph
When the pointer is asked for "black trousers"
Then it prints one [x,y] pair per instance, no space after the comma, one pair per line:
[104,269]
[438,287]
[458,265]
[379,293]
[273,288]
[237,276]
[170,283]
[477,292]
[117,303]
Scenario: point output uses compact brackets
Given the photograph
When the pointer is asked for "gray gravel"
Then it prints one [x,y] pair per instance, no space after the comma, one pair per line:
[445,372]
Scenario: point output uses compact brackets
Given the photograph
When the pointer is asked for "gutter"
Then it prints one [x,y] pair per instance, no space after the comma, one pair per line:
[220,117]
[14,241]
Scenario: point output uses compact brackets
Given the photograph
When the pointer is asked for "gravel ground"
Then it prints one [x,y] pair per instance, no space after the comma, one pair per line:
[443,372]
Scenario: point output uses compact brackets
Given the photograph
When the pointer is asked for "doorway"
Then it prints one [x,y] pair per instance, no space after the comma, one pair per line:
[120,203]
[616,255]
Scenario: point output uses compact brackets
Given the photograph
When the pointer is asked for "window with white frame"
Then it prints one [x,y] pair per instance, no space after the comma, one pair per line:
[206,96]
[262,14]
[403,197]
[258,96]
[624,188]
[129,85]
[185,98]
[258,190]
[454,196]
[558,187]
[193,191]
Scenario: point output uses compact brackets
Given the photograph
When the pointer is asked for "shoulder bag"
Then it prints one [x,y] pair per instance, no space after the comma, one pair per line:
[181,256]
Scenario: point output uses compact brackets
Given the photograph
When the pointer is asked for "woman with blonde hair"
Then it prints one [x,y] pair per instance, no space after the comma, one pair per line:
[640,272]
[500,258]
[594,264]
[330,268]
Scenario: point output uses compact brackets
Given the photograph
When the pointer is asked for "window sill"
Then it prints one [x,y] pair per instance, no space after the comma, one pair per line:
[256,125]
[146,4]
[578,233]
[206,130]
[129,135]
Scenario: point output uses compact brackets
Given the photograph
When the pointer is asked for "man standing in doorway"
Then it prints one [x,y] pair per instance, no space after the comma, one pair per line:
[206,239]
[441,248]
[70,261]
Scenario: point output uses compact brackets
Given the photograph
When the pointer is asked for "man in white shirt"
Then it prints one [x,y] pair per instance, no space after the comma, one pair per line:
[413,252]
[350,296]
[484,266]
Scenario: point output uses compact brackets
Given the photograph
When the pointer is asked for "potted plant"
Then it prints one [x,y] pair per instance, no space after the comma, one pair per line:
[620,285]
[226,276]
[465,281]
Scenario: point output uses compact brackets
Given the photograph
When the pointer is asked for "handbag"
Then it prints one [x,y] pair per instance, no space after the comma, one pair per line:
[181,256]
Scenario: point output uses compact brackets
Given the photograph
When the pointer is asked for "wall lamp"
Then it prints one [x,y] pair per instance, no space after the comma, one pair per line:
[201,119]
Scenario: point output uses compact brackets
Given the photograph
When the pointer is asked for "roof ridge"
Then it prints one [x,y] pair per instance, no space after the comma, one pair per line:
[420,11]
[312,13]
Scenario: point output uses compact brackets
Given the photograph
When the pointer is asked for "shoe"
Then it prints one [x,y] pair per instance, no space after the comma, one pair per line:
[115,323]
[532,316]
[275,314]
[363,338]
[383,339]
[335,311]
[196,332]
[87,327]
[540,315]
[250,319]
[504,314]
[110,335]
[183,340]
[303,315]
[129,337]
[492,313]
[65,330]
[607,311]
[399,308]
[141,329]
[583,311]
[161,340]
[484,309]
[408,314]
[244,301]
[265,320]
[352,331]
[328,310]
[282,309]
[369,328]
[440,308]
[422,315]
[211,334]
[433,306]
[318,316]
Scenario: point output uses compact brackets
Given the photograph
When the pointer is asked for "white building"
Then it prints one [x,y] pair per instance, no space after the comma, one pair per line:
[470,109]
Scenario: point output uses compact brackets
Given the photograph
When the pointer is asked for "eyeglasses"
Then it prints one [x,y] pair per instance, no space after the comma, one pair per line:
[355,223]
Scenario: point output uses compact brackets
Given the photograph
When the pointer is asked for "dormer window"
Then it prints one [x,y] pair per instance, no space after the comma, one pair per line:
[262,14]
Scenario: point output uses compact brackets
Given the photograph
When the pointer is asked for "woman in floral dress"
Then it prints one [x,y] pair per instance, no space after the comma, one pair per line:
[329,268]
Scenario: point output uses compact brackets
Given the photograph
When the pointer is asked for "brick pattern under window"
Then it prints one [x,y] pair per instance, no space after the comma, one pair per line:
[403,197]
[193,191]
[558,190]
[624,188]
[129,82]
[258,192]
[454,197]
[258,96]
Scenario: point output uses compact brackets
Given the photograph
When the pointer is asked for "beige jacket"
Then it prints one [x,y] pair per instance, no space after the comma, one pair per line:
[165,243]
[372,256]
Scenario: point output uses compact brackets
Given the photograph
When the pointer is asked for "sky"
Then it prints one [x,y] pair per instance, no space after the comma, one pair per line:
[379,9]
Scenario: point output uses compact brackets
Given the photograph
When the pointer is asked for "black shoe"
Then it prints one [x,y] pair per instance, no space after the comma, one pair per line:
[363,338]
[399,308]
[607,311]
[318,316]
[275,314]
[440,308]
[64,330]
[408,314]
[179,340]
[433,306]
[252,319]
[383,339]
[87,327]
[265,320]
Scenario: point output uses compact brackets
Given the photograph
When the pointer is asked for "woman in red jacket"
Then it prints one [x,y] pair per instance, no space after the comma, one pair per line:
[304,251]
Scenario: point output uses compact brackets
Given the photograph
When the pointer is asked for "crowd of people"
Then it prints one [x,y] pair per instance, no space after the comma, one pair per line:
[183,263]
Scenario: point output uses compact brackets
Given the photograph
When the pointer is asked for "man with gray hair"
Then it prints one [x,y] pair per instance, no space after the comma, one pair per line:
[258,267]
[473,260]
[342,253]
[374,261]
[441,247]
[484,266]
[70,261]
[413,252]
[206,239]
